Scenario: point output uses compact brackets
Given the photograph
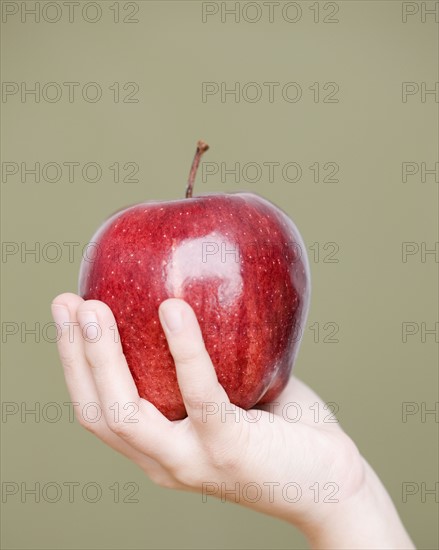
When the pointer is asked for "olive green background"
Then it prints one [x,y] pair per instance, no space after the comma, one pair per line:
[369,213]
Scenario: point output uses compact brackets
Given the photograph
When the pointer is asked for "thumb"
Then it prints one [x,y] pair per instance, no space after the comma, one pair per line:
[203,395]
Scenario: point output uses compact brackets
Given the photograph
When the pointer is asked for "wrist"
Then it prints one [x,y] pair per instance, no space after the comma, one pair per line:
[365,520]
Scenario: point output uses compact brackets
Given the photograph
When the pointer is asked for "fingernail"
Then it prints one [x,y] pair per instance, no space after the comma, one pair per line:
[86,317]
[172,317]
[60,314]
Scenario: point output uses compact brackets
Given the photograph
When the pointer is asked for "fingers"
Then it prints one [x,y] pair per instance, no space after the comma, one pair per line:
[80,382]
[133,419]
[77,373]
[79,379]
[203,395]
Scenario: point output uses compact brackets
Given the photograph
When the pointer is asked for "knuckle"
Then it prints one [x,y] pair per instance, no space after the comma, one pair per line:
[86,424]
[67,359]
[199,398]
[189,353]
[95,359]
[161,479]
[98,357]
[222,457]
[188,478]
[350,452]
[184,467]
[194,400]
[346,461]
[183,474]
[228,452]
[121,428]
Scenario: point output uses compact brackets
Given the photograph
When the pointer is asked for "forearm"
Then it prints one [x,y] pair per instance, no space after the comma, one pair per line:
[367,521]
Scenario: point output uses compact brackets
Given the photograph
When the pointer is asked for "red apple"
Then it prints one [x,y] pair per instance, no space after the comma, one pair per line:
[237,259]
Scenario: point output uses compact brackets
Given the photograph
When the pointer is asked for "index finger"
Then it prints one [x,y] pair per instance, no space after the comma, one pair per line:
[206,401]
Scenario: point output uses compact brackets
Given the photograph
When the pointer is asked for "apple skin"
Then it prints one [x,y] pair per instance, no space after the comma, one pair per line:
[240,263]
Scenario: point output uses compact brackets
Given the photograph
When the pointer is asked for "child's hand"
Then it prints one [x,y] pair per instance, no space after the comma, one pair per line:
[306,471]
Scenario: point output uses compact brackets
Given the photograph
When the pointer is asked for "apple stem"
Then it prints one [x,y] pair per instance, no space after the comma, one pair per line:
[202,147]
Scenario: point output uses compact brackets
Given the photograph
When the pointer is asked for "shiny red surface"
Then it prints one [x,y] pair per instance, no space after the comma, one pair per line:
[236,259]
